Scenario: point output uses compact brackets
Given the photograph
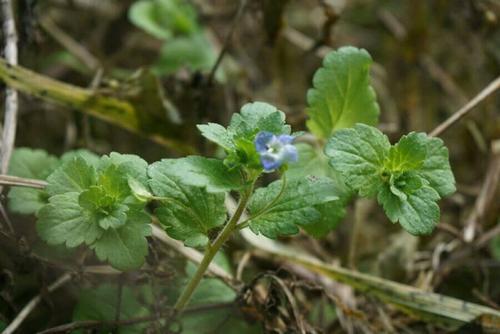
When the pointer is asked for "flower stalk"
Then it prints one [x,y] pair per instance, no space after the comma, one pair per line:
[213,249]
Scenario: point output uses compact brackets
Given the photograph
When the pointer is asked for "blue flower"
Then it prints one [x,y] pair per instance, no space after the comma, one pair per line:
[275,151]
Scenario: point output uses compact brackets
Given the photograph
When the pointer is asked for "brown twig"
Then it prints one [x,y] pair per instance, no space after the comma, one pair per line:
[487,91]
[9,180]
[66,41]
[11,99]
[227,39]
[33,303]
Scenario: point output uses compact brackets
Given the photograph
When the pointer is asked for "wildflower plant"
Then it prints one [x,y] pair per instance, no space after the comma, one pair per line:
[107,203]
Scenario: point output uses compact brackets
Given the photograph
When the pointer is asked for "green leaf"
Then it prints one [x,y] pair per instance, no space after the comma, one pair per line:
[277,209]
[313,162]
[100,304]
[256,117]
[199,172]
[103,208]
[341,95]
[194,52]
[418,213]
[358,154]
[187,212]
[408,154]
[436,168]
[74,175]
[129,164]
[217,134]
[164,18]
[139,190]
[495,246]
[91,158]
[330,215]
[26,200]
[63,221]
[32,164]
[407,178]
[125,248]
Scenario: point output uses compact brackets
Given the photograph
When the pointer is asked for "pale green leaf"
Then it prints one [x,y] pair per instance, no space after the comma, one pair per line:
[418,214]
[217,134]
[74,175]
[408,154]
[188,213]
[193,52]
[164,18]
[125,248]
[358,154]
[91,158]
[32,164]
[436,168]
[63,221]
[129,164]
[140,191]
[341,95]
[200,172]
[279,210]
[255,117]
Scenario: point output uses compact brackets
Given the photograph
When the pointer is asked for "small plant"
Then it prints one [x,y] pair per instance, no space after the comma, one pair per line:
[101,202]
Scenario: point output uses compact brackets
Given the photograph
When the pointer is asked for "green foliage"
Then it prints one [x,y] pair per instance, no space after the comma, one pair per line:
[238,139]
[407,178]
[164,18]
[175,22]
[35,164]
[282,206]
[194,52]
[92,203]
[341,95]
[188,213]
[100,304]
[200,172]
[495,246]
[313,162]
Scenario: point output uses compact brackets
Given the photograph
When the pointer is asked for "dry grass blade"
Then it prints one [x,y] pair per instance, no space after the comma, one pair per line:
[448,312]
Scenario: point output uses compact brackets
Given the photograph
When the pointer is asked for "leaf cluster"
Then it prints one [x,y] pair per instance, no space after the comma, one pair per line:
[406,178]
[175,22]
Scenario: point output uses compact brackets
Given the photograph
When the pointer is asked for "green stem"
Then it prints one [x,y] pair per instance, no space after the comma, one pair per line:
[245,223]
[212,250]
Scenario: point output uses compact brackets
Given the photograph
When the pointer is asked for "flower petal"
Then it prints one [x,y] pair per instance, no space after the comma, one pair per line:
[286,139]
[262,140]
[289,153]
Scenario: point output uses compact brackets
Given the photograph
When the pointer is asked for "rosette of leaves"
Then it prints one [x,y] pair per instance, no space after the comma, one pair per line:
[91,203]
[407,178]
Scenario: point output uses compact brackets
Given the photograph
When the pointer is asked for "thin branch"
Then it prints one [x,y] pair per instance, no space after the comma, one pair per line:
[487,91]
[11,99]
[223,51]
[66,41]
[9,180]
[33,303]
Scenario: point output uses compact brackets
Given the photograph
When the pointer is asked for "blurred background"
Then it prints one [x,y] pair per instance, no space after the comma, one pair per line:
[181,63]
